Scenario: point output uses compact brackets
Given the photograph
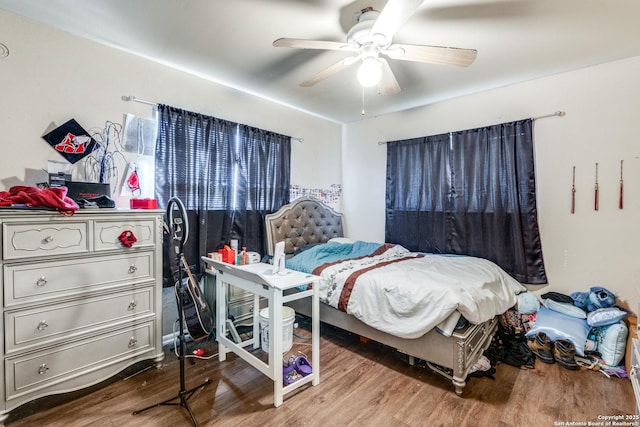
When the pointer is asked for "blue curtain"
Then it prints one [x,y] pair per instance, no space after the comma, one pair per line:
[228,175]
[470,192]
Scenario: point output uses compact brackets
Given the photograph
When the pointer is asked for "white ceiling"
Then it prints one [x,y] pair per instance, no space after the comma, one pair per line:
[229,41]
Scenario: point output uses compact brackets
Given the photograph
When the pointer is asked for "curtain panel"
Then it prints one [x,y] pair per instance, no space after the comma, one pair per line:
[264,160]
[228,176]
[470,192]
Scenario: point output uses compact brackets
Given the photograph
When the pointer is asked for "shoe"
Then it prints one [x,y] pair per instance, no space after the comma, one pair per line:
[542,347]
[303,366]
[565,354]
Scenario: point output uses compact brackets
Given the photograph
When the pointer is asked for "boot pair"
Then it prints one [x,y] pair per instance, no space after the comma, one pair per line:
[562,351]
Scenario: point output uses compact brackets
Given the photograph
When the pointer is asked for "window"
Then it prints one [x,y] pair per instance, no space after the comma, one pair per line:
[228,175]
[469,192]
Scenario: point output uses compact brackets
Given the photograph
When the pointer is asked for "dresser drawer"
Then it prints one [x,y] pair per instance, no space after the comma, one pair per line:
[107,233]
[25,283]
[40,326]
[635,371]
[28,240]
[43,369]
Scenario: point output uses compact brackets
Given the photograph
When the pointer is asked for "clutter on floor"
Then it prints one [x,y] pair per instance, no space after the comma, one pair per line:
[584,330]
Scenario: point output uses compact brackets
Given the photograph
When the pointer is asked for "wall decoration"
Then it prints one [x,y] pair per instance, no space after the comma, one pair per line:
[596,200]
[329,196]
[573,192]
[620,202]
[4,50]
[71,141]
[107,162]
[139,135]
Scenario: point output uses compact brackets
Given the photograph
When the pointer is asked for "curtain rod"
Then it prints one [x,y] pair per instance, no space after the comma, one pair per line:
[556,114]
[134,99]
[128,98]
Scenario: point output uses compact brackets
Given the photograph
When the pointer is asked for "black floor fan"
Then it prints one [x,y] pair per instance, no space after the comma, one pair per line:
[178,229]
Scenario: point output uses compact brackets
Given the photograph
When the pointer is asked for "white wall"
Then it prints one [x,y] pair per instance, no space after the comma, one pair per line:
[601,103]
[52,76]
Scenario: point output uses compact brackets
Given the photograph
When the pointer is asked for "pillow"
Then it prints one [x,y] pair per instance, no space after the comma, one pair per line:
[560,326]
[605,316]
[305,247]
[341,240]
[612,342]
[528,303]
[566,308]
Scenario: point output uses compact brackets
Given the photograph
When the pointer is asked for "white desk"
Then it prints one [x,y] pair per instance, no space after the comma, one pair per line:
[258,280]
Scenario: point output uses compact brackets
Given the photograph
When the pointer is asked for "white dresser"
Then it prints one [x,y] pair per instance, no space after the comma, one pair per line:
[634,374]
[78,305]
[635,366]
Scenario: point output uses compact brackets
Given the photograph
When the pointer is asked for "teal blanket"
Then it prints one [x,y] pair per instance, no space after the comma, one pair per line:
[315,256]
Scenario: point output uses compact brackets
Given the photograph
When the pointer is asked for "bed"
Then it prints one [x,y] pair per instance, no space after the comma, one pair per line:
[311,229]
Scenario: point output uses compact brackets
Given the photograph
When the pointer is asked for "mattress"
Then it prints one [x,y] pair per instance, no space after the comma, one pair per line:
[405,293]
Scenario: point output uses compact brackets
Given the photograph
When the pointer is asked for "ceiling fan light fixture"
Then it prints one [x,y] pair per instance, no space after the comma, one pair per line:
[370,72]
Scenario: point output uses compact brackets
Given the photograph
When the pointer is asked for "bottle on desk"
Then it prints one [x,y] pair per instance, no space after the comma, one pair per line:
[236,252]
[244,256]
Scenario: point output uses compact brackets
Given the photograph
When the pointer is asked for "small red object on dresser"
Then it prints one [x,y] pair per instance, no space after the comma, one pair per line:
[143,204]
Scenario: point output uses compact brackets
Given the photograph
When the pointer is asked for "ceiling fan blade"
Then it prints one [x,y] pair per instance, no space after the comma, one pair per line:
[314,44]
[339,66]
[388,84]
[393,16]
[432,54]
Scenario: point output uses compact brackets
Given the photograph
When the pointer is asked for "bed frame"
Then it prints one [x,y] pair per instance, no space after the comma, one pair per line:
[307,220]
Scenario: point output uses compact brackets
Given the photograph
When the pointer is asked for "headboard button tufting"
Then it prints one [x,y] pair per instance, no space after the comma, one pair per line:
[302,222]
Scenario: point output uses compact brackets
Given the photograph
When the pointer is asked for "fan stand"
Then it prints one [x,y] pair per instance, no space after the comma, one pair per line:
[181,399]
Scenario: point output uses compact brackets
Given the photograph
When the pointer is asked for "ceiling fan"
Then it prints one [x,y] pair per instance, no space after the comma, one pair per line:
[371,38]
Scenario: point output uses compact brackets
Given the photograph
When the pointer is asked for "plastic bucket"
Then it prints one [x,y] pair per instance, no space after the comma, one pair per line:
[288,316]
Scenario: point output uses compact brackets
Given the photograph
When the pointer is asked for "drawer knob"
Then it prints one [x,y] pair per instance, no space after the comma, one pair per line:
[132,306]
[132,268]
[43,369]
[42,325]
[132,342]
[48,239]
[42,280]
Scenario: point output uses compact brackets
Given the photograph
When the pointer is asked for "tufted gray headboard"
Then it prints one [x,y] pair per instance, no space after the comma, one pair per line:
[304,221]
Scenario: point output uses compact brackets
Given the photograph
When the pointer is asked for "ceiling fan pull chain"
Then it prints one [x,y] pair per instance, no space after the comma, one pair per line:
[363,100]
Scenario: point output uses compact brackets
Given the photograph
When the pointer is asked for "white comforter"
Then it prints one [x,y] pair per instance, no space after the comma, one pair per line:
[409,297]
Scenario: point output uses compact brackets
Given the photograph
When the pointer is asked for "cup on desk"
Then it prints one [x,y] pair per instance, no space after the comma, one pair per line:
[214,256]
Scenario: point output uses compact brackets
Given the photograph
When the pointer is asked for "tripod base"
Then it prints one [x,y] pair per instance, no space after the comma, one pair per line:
[182,400]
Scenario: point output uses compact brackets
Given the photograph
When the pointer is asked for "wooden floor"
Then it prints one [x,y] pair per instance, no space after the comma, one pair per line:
[361,385]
